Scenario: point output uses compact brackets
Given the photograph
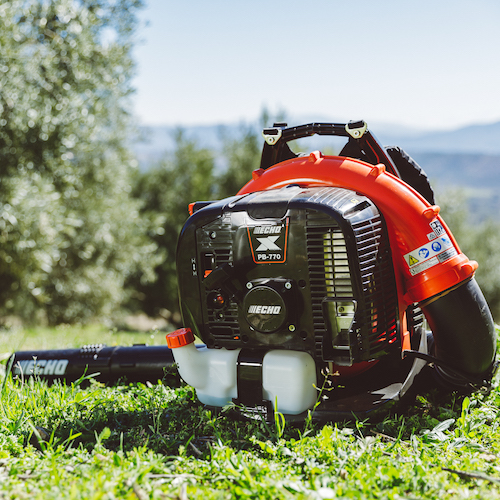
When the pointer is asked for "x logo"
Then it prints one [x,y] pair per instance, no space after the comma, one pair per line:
[267,243]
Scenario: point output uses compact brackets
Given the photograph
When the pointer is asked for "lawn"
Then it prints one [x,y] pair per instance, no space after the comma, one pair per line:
[142,441]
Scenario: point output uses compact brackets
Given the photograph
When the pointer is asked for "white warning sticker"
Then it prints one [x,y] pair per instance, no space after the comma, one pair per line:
[437,227]
[448,254]
[430,254]
[423,266]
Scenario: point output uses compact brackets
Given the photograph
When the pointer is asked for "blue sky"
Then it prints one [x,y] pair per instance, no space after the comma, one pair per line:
[422,64]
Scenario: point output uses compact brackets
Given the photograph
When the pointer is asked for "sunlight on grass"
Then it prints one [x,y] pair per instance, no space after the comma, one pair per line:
[65,336]
[152,441]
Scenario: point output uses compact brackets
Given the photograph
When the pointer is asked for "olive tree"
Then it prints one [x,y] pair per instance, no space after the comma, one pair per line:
[70,232]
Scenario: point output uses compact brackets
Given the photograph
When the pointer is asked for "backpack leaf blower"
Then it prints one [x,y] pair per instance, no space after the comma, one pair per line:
[312,286]
[311,290]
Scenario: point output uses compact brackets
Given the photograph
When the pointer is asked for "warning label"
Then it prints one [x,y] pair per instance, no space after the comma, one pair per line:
[412,260]
[447,255]
[430,254]
[419,268]
[437,228]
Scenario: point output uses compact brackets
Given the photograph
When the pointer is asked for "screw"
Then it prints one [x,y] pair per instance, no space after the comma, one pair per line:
[213,234]
[288,285]
[291,328]
[249,285]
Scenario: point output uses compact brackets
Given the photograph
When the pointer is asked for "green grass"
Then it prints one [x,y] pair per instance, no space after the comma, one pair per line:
[151,441]
[65,336]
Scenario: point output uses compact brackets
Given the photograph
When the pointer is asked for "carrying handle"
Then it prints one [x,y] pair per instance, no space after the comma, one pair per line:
[361,142]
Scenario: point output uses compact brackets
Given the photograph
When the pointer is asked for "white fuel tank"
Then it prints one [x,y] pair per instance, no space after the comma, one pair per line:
[288,377]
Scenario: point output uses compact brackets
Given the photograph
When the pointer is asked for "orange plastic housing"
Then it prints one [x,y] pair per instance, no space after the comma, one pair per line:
[408,216]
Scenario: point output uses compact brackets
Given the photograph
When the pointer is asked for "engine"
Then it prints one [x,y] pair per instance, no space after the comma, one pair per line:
[299,269]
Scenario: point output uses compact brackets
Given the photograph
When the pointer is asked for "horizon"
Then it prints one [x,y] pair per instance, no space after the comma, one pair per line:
[292,121]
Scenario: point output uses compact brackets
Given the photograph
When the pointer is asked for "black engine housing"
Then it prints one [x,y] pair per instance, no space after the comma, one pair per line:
[306,269]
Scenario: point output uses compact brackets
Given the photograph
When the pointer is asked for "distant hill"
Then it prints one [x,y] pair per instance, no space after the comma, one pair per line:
[474,171]
[476,175]
[467,157]
[156,140]
[481,139]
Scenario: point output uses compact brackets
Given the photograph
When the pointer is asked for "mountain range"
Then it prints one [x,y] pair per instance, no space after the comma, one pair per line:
[466,157]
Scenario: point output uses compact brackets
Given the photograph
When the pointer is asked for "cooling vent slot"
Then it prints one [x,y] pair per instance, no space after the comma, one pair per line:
[414,317]
[375,328]
[417,325]
[380,328]
[329,274]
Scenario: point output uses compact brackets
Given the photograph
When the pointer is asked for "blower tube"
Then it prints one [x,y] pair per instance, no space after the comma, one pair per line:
[464,333]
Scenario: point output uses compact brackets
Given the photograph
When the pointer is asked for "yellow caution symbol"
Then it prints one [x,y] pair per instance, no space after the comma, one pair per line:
[412,260]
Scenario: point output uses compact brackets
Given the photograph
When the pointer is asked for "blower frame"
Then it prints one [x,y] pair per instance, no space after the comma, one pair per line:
[263,366]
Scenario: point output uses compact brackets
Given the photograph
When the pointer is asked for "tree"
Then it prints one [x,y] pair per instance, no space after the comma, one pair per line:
[70,233]
[479,241]
[183,176]
[241,154]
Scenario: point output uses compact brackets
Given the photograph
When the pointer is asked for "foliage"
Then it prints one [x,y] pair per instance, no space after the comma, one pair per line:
[153,441]
[241,155]
[70,233]
[480,242]
[184,176]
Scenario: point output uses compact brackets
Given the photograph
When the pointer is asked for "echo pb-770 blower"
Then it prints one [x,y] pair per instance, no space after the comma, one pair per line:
[311,284]
[319,272]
